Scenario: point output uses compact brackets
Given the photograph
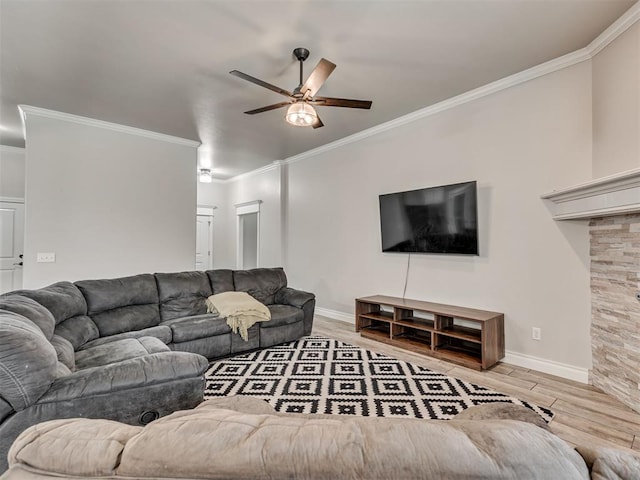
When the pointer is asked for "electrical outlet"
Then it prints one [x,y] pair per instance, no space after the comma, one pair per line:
[47,257]
[536,333]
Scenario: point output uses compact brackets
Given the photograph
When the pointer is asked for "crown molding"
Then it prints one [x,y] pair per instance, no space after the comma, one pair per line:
[617,28]
[10,149]
[92,122]
[512,80]
[267,168]
[12,199]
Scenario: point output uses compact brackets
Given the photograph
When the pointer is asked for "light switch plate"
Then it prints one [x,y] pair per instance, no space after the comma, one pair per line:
[46,257]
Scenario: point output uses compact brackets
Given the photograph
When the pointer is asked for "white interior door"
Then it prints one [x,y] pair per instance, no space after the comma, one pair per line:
[204,242]
[11,245]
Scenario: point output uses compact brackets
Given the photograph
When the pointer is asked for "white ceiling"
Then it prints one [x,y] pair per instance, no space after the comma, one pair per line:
[163,65]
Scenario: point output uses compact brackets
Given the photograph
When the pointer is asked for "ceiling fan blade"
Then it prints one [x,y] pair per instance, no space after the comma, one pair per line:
[267,108]
[257,81]
[341,102]
[317,77]
[318,123]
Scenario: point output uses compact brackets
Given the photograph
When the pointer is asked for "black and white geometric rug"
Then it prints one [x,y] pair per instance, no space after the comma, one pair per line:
[322,375]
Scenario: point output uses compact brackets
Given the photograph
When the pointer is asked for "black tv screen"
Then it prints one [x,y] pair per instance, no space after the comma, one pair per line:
[431,220]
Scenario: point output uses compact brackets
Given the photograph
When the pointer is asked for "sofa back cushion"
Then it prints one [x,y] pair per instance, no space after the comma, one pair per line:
[221,280]
[69,309]
[122,304]
[62,299]
[28,362]
[64,351]
[182,294]
[261,283]
[31,309]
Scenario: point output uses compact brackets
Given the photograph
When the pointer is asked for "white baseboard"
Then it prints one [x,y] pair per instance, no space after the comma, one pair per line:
[547,366]
[518,359]
[334,314]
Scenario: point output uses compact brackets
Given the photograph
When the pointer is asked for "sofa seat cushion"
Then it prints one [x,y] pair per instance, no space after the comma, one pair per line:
[283,315]
[197,326]
[161,332]
[118,351]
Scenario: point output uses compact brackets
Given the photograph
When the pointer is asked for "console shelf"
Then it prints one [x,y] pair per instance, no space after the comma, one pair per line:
[467,336]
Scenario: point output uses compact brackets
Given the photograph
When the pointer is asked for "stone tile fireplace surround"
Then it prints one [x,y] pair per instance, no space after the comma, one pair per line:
[615,310]
[613,206]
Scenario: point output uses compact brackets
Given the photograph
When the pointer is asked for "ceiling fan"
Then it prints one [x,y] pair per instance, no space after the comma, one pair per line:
[301,101]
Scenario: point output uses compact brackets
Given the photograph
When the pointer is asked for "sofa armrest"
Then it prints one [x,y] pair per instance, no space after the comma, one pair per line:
[133,373]
[293,297]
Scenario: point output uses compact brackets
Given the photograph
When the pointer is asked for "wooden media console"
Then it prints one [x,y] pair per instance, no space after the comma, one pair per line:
[469,337]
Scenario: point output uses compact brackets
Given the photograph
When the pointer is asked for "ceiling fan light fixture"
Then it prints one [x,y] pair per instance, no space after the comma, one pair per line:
[301,114]
[204,175]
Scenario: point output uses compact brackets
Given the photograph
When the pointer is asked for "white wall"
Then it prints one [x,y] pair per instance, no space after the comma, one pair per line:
[11,172]
[263,185]
[616,105]
[517,144]
[108,203]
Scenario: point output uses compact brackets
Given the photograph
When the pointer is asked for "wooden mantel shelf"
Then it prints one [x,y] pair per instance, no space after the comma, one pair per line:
[612,195]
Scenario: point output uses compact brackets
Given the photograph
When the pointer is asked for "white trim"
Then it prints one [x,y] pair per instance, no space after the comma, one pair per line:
[248,207]
[10,149]
[599,185]
[516,79]
[518,359]
[334,314]
[92,122]
[267,168]
[611,195]
[563,370]
[208,211]
[12,199]
[629,18]
[614,30]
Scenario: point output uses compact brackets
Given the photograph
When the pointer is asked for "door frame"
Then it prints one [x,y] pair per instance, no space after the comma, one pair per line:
[246,208]
[19,201]
[207,212]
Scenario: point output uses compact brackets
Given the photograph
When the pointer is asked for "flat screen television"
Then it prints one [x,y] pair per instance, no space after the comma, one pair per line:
[440,219]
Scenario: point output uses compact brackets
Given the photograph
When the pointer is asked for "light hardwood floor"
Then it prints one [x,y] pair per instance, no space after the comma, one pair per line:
[584,415]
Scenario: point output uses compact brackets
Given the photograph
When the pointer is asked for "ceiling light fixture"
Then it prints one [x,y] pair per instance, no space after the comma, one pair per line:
[205,175]
[301,114]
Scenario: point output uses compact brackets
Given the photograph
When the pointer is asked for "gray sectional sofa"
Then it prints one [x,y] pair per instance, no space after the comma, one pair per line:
[128,349]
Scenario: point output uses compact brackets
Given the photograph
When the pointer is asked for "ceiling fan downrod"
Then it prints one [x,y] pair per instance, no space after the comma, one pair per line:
[301,54]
